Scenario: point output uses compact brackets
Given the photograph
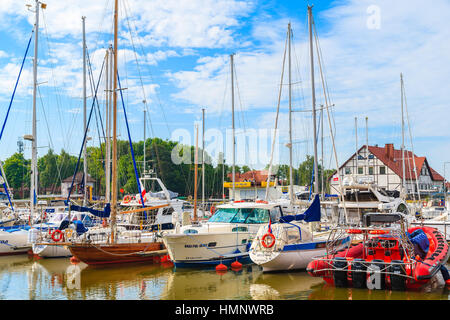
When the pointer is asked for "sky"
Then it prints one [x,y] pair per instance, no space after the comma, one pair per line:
[175,56]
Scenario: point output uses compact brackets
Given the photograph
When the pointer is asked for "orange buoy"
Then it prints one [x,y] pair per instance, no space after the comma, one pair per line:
[221,267]
[74,260]
[447,282]
[236,265]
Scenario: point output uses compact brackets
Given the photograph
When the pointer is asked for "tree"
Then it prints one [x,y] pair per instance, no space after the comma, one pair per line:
[17,171]
[48,170]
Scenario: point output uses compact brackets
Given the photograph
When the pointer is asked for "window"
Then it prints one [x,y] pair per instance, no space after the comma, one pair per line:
[382,170]
[167,211]
[371,156]
[360,170]
[190,231]
[348,171]
[360,157]
[370,170]
[239,229]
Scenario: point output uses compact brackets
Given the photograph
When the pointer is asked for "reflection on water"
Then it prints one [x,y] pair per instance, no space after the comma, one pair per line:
[23,278]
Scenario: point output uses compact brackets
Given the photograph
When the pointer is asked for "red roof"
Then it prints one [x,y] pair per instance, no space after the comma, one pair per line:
[255,175]
[392,158]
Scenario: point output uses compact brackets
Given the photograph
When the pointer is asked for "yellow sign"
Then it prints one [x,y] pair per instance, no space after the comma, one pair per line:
[264,184]
[237,184]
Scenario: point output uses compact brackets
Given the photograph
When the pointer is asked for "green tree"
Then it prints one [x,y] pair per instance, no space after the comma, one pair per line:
[17,171]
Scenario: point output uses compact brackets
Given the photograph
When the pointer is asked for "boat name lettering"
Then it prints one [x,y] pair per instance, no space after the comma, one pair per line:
[201,245]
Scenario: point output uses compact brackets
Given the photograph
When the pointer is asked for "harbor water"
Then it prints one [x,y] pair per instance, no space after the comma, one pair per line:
[26,278]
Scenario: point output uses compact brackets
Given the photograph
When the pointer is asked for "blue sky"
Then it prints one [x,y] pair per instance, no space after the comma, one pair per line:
[183,51]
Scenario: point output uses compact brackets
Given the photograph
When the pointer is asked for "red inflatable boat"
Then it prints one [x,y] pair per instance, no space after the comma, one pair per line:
[384,255]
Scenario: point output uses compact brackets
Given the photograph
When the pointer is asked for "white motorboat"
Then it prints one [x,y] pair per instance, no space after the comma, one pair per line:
[224,238]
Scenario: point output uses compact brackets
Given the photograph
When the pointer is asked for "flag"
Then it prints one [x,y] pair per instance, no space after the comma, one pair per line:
[270,225]
[143,193]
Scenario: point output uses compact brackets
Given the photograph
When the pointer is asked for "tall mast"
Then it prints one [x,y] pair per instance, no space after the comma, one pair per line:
[34,169]
[367,145]
[195,173]
[291,187]
[322,160]
[232,117]
[114,146]
[84,111]
[108,124]
[145,116]
[203,161]
[316,177]
[356,144]
[403,137]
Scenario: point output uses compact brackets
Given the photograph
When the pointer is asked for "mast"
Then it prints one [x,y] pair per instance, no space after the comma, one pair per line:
[145,114]
[108,125]
[114,145]
[403,137]
[356,144]
[316,177]
[232,120]
[321,146]
[195,173]
[203,161]
[84,111]
[34,169]
[367,145]
[291,187]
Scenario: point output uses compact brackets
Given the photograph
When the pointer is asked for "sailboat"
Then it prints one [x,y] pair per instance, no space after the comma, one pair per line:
[292,243]
[114,245]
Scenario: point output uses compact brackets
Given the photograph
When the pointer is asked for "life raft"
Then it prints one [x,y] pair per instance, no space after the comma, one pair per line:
[381,262]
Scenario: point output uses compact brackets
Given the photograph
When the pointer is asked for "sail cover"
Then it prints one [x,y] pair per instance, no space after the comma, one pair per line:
[311,214]
[99,213]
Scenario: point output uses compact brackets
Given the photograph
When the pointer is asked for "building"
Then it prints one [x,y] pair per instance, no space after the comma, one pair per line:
[252,185]
[77,184]
[384,166]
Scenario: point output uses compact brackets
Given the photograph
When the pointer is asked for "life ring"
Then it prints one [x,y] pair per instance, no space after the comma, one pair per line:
[212,210]
[378,231]
[59,238]
[127,199]
[354,231]
[264,242]
[104,223]
[424,204]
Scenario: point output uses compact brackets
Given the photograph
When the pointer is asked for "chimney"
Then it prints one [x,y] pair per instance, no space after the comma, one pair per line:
[389,151]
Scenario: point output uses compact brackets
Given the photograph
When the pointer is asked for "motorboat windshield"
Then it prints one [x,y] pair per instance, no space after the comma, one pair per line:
[241,215]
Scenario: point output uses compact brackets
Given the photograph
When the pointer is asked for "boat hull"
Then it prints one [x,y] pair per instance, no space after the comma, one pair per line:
[207,249]
[103,254]
[12,243]
[51,251]
[291,257]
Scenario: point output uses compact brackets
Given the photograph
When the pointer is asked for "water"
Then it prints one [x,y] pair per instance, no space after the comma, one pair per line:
[24,278]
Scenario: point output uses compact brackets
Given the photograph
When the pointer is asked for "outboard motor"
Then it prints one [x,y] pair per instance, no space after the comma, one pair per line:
[376,279]
[398,275]
[340,272]
[359,273]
